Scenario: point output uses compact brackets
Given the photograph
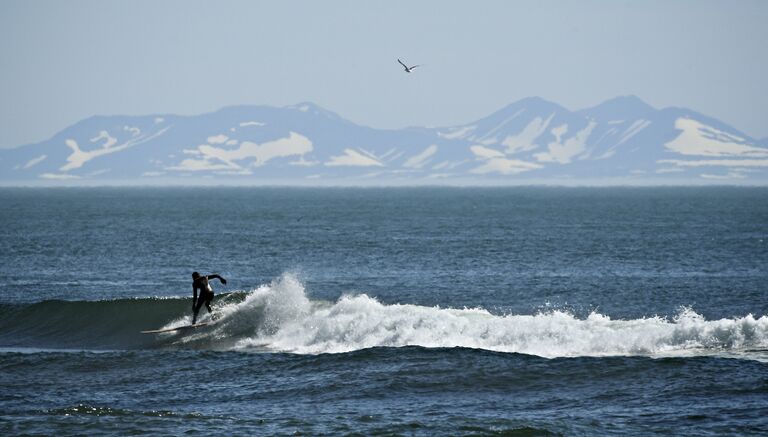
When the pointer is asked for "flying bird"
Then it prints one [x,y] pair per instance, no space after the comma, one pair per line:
[407,68]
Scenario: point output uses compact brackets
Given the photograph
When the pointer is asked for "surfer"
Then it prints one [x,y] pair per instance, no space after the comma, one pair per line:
[206,292]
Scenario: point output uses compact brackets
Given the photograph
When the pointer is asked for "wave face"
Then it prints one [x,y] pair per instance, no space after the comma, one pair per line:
[279,317]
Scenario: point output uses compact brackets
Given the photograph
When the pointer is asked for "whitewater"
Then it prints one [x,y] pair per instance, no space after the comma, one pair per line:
[280,317]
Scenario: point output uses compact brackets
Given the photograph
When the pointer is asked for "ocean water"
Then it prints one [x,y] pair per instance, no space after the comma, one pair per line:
[393,311]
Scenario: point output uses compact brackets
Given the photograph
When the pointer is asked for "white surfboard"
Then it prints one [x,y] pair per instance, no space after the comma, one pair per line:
[178,328]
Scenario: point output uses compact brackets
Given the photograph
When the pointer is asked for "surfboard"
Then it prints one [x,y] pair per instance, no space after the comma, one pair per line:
[178,328]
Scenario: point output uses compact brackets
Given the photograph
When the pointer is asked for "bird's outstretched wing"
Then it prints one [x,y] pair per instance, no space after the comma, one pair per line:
[415,66]
[401,63]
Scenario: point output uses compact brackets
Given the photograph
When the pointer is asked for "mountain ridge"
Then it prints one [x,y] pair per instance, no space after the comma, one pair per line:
[622,140]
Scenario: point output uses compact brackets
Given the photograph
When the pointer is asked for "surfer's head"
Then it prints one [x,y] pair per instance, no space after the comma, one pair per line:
[195,275]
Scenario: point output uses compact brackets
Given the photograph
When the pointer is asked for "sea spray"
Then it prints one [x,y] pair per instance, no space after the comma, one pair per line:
[358,321]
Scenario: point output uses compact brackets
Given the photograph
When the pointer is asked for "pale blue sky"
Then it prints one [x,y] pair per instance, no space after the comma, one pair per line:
[63,61]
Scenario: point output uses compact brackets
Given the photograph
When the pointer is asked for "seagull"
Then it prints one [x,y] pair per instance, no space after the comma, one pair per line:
[407,68]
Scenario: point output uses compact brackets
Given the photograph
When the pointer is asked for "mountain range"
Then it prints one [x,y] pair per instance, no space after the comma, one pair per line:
[621,141]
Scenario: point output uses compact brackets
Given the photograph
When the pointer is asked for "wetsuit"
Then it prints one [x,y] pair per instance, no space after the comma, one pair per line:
[206,295]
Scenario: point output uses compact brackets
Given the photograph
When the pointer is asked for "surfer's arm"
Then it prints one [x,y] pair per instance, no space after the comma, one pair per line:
[223,281]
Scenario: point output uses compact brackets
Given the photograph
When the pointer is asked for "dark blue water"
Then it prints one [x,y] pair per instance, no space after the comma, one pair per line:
[385,311]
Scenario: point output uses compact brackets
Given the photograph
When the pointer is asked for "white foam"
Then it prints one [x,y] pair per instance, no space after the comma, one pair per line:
[280,317]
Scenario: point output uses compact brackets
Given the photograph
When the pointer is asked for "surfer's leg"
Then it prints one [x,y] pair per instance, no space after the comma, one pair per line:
[197,310]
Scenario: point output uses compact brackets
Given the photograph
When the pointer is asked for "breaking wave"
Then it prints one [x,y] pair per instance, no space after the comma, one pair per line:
[279,317]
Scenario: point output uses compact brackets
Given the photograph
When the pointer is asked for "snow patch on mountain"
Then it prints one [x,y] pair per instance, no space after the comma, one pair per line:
[456,132]
[353,158]
[133,130]
[32,162]
[562,152]
[449,165]
[505,166]
[525,140]
[109,140]
[699,139]
[483,152]
[79,157]
[248,154]
[716,162]
[422,158]
[487,139]
[218,139]
[59,176]
[729,175]
[302,162]
[633,130]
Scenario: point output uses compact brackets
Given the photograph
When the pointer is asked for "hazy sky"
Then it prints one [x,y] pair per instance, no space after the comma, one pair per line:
[63,61]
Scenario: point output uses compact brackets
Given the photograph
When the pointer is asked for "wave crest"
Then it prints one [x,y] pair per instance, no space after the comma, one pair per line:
[290,322]
[279,317]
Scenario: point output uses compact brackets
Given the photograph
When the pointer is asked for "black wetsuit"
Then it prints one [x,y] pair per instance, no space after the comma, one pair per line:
[206,295]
